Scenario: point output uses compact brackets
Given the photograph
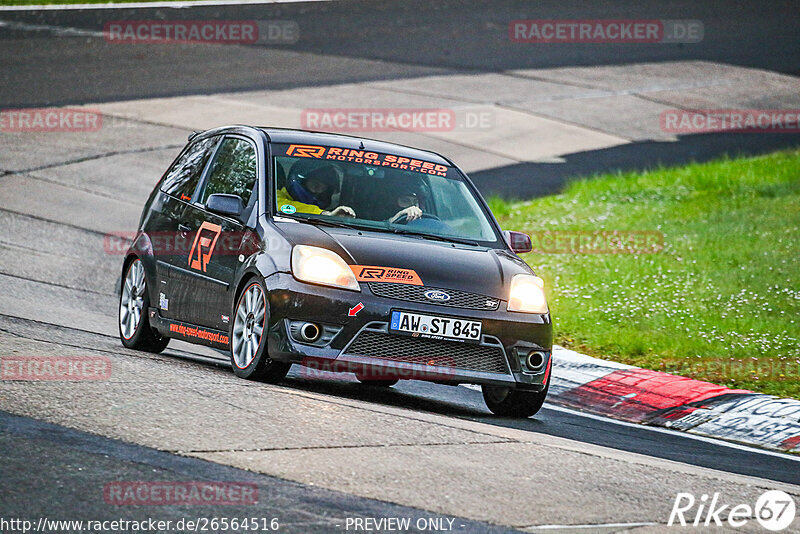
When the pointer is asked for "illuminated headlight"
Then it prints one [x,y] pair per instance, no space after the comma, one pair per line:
[527,294]
[322,266]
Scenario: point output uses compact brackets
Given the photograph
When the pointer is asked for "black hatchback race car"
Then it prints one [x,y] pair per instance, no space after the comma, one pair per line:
[341,254]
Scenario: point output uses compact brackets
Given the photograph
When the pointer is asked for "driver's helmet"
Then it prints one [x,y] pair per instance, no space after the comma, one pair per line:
[408,194]
[300,184]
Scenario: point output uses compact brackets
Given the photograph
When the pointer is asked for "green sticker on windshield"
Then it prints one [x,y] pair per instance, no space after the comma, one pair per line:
[288,208]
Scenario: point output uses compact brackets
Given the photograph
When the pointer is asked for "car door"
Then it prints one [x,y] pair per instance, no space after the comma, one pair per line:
[166,213]
[217,240]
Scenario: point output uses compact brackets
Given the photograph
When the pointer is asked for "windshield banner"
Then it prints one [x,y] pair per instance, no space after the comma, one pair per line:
[364,156]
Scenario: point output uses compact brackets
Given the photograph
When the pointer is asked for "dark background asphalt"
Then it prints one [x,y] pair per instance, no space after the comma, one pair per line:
[42,465]
[468,404]
[408,39]
[351,41]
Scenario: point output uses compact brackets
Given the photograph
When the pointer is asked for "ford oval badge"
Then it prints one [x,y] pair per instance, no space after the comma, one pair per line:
[438,296]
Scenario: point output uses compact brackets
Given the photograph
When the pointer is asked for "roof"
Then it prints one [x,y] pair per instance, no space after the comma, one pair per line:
[286,135]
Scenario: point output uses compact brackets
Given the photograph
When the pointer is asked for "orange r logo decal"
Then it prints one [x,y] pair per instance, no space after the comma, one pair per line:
[204,243]
[372,273]
[305,151]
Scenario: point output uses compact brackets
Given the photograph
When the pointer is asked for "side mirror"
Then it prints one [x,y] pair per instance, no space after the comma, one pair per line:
[230,205]
[519,242]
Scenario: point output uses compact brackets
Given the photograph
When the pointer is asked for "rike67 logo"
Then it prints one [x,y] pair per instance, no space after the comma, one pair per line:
[774,510]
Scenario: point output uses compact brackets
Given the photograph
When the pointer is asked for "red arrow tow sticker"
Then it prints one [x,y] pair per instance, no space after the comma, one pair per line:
[355,309]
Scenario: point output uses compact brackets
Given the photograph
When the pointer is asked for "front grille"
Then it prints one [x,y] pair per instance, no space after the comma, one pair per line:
[408,349]
[410,293]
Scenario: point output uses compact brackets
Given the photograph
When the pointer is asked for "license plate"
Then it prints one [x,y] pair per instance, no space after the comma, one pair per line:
[435,327]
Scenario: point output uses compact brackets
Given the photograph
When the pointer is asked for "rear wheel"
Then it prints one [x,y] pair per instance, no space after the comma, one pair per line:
[134,329]
[510,402]
[248,339]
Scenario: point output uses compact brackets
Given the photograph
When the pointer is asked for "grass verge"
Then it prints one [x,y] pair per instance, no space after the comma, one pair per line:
[710,290]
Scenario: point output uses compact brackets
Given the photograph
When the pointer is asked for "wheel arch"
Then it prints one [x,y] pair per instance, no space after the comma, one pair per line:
[149,271]
[141,249]
[125,264]
[246,278]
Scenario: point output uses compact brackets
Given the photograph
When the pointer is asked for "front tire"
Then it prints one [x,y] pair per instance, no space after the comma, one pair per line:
[510,402]
[134,329]
[248,337]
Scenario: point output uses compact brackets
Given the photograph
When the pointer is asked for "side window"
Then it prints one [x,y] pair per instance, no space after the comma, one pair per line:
[233,171]
[458,208]
[182,178]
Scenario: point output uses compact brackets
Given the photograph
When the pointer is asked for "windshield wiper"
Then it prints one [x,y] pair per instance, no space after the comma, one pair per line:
[325,222]
[436,237]
[401,231]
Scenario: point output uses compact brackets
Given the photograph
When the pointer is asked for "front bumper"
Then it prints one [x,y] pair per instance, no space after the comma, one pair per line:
[355,343]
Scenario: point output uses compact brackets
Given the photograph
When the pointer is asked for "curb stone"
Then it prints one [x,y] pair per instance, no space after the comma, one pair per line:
[655,398]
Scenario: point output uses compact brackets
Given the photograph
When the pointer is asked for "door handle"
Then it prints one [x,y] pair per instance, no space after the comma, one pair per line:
[183,229]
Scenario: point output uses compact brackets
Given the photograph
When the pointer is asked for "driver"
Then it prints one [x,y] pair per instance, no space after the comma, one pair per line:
[408,203]
[311,192]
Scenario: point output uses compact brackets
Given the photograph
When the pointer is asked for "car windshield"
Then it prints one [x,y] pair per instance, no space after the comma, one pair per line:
[377,191]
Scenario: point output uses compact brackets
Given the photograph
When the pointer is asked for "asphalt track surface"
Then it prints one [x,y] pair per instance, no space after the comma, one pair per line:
[68,459]
[355,41]
[56,469]
[399,39]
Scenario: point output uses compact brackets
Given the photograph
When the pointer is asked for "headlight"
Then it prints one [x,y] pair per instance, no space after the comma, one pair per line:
[527,294]
[322,266]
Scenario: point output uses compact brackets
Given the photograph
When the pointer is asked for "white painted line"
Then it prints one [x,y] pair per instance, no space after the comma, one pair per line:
[142,5]
[58,30]
[599,525]
[677,433]
[719,442]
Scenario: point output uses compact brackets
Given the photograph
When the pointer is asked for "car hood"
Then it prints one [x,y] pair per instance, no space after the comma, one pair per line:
[438,264]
